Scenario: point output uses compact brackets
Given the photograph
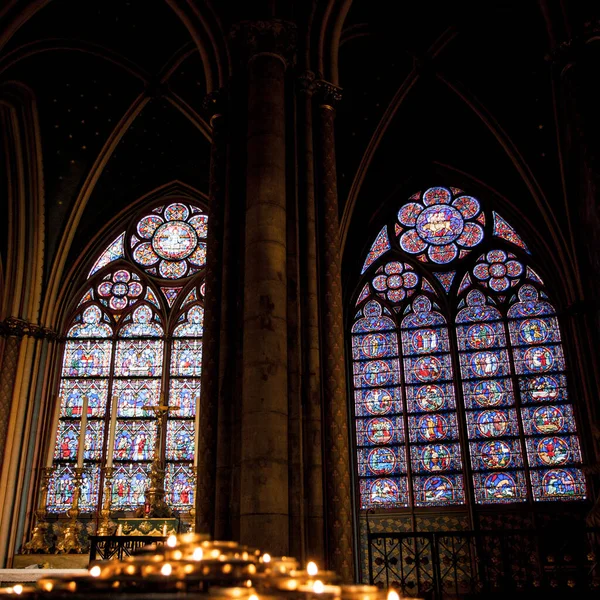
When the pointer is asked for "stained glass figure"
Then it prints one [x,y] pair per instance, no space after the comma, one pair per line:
[438,226]
[133,394]
[61,488]
[143,324]
[129,485]
[179,483]
[114,251]
[379,247]
[170,240]
[90,327]
[134,440]
[503,230]
[499,270]
[180,440]
[548,423]
[194,325]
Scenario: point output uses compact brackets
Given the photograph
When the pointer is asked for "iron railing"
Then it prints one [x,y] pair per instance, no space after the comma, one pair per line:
[105,547]
[463,564]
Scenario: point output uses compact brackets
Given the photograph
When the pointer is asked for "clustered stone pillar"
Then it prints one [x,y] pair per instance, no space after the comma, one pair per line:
[335,409]
[264,503]
[207,435]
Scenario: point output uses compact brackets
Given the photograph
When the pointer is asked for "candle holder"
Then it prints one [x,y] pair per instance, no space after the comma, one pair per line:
[38,541]
[68,540]
[104,514]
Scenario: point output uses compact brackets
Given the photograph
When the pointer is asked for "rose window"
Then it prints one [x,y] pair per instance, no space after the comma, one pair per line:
[396,281]
[498,270]
[442,226]
[169,243]
[120,289]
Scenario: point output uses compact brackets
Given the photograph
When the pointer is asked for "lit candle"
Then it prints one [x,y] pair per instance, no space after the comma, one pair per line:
[196,429]
[81,447]
[111,432]
[54,430]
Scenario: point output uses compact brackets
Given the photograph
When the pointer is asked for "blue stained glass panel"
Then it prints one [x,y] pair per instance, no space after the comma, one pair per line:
[425,341]
[139,358]
[180,439]
[179,484]
[487,393]
[430,397]
[194,325]
[72,392]
[496,454]
[548,419]
[438,490]
[480,336]
[379,431]
[381,461]
[534,331]
[374,345]
[558,484]
[184,394]
[543,388]
[133,394]
[377,401]
[129,485]
[433,458]
[428,369]
[134,440]
[499,487]
[186,358]
[61,488]
[87,359]
[432,427]
[385,492]
[553,451]
[492,423]
[485,363]
[376,373]
[538,359]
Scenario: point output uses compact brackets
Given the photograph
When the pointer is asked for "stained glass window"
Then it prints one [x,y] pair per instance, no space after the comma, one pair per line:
[486,396]
[116,357]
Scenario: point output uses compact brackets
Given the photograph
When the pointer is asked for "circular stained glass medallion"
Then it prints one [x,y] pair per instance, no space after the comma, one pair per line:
[485,364]
[533,331]
[500,486]
[435,457]
[439,224]
[381,461]
[539,359]
[174,240]
[495,454]
[548,419]
[553,451]
[425,340]
[432,427]
[438,489]
[543,388]
[380,431]
[558,482]
[481,335]
[427,368]
[378,402]
[492,423]
[384,491]
[376,372]
[430,397]
[488,393]
[374,345]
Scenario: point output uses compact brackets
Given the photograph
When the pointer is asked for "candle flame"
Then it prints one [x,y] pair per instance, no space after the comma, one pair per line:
[166,569]
[95,571]
[266,558]
[198,554]
[312,569]
[393,595]
[318,587]
[171,541]
[18,589]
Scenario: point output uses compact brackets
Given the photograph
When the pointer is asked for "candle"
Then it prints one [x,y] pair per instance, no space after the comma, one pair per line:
[196,429]
[111,432]
[83,427]
[54,430]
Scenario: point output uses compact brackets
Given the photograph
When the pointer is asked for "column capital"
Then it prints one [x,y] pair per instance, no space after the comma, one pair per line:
[328,94]
[274,36]
[20,328]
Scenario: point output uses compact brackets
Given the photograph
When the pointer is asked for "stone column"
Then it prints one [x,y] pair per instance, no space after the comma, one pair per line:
[13,331]
[207,435]
[311,390]
[264,502]
[335,414]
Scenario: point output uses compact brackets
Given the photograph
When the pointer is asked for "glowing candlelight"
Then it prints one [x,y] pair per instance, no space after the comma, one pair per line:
[312,569]
[111,432]
[393,595]
[83,427]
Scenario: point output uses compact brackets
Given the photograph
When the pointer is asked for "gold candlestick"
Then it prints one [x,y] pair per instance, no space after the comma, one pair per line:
[104,514]
[68,539]
[38,542]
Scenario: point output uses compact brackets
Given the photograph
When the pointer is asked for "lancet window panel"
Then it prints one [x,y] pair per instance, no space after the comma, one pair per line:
[486,395]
